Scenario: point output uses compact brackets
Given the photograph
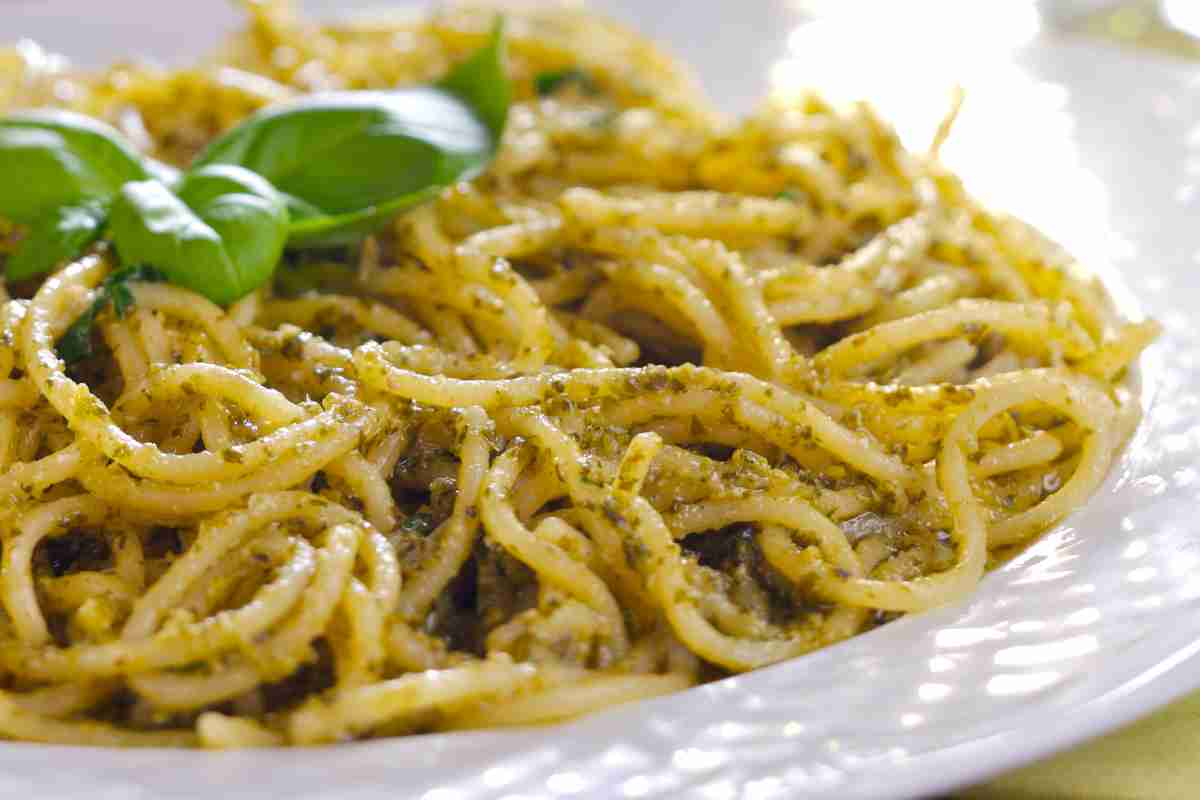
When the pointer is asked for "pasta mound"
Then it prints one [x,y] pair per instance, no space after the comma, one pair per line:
[659,398]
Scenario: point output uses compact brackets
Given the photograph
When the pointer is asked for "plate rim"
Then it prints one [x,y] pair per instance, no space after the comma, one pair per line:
[945,769]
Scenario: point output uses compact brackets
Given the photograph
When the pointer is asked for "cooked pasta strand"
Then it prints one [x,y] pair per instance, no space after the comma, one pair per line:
[656,396]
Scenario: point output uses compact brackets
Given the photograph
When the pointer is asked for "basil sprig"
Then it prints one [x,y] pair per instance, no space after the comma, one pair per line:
[323,171]
[348,161]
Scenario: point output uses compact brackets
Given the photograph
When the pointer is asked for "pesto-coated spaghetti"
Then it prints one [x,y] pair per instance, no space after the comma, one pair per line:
[655,399]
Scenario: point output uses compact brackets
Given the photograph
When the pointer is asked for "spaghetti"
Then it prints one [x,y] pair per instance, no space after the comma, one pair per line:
[656,399]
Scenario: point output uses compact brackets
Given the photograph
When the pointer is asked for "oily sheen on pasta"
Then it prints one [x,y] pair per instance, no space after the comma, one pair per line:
[658,398]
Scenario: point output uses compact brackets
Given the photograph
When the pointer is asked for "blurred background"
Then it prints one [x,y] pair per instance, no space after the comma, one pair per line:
[1170,26]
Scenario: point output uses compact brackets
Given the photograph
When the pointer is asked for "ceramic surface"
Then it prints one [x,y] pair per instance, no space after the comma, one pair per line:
[1097,623]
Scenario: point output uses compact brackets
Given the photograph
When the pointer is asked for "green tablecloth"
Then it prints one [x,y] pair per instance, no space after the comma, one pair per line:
[1157,758]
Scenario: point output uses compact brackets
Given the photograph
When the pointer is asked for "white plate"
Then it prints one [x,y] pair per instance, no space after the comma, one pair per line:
[1096,624]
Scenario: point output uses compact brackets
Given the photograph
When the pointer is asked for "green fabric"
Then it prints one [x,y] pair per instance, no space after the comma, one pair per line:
[1157,758]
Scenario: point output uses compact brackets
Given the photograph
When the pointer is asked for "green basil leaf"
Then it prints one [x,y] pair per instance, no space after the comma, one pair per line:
[347,161]
[482,83]
[57,237]
[150,225]
[53,158]
[221,236]
[250,216]
[76,343]
[547,83]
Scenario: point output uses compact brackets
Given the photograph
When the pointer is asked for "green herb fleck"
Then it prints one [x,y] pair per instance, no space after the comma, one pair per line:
[551,81]
[420,523]
[76,344]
